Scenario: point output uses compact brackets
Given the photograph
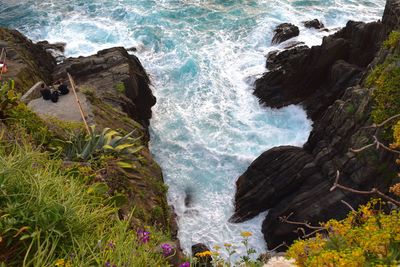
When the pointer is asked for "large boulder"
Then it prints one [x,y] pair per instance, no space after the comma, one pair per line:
[267,180]
[56,50]
[285,31]
[117,78]
[315,23]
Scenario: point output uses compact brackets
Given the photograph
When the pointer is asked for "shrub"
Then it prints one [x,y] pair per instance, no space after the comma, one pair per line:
[386,80]
[393,40]
[120,87]
[82,147]
[8,98]
[30,123]
[367,237]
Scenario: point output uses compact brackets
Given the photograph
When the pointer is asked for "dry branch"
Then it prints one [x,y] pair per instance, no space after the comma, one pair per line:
[378,145]
[285,219]
[376,142]
[373,191]
[384,122]
[348,205]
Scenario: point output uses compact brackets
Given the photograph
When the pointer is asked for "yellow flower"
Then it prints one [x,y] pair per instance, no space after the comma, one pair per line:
[395,189]
[246,234]
[206,253]
[227,245]
[60,262]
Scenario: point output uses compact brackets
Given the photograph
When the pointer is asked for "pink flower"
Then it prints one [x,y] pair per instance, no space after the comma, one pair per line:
[143,236]
[167,249]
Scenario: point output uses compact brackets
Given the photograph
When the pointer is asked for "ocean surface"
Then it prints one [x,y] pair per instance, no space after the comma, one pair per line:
[203,57]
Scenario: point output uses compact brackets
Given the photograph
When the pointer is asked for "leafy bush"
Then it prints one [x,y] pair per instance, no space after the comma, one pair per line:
[396,136]
[120,87]
[30,123]
[393,40]
[8,98]
[367,237]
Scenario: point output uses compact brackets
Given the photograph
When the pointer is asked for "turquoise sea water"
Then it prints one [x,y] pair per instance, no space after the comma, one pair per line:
[203,57]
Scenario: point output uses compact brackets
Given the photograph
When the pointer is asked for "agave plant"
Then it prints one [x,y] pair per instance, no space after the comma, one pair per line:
[84,147]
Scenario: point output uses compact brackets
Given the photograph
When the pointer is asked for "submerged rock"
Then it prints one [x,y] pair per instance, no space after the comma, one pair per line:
[284,32]
[315,23]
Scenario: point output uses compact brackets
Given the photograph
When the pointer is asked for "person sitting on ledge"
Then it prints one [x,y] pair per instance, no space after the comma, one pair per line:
[45,91]
[62,87]
[54,95]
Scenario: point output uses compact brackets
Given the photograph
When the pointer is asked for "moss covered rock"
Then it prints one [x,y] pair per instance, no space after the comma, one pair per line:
[27,62]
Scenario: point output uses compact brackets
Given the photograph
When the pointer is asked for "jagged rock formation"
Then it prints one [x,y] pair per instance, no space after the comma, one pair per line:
[285,31]
[317,76]
[329,81]
[56,50]
[116,77]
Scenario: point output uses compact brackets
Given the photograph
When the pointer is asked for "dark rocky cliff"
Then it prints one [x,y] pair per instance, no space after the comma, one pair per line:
[116,77]
[28,61]
[118,89]
[329,80]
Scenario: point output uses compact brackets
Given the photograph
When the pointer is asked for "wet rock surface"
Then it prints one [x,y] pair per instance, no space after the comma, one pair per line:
[285,31]
[56,50]
[315,23]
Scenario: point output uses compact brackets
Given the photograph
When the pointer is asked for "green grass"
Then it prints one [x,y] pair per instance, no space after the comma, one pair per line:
[47,215]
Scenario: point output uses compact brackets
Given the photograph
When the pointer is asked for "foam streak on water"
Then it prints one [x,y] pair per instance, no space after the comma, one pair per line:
[202,56]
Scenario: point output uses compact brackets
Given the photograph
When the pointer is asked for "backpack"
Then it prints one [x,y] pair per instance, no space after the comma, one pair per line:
[63,89]
[46,94]
[54,97]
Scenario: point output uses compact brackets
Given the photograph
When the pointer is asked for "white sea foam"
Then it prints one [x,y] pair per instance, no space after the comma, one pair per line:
[203,57]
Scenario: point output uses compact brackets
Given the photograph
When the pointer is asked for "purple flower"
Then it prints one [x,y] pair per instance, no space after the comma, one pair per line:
[108,264]
[110,245]
[185,264]
[143,236]
[167,249]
